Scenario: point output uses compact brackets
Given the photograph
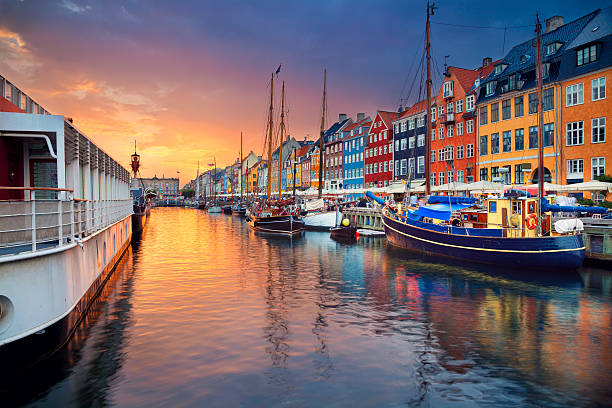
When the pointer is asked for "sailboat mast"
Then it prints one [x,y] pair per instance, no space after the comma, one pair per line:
[241,167]
[198,181]
[321,142]
[430,10]
[540,119]
[280,148]
[270,139]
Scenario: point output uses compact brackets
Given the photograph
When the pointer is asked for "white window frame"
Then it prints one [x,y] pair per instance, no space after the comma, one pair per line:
[459,106]
[600,164]
[469,103]
[459,152]
[411,142]
[598,86]
[469,151]
[459,128]
[574,133]
[403,143]
[469,126]
[420,164]
[403,167]
[574,94]
[421,140]
[598,123]
[575,168]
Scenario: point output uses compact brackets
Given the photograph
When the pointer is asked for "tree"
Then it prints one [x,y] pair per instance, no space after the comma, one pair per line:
[188,192]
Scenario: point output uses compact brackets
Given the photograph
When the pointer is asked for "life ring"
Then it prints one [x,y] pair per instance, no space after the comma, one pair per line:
[532,221]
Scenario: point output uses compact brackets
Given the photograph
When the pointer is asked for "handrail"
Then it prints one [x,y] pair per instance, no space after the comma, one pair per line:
[36,188]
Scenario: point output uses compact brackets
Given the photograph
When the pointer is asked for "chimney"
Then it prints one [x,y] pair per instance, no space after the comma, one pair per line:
[486,61]
[341,117]
[360,116]
[553,23]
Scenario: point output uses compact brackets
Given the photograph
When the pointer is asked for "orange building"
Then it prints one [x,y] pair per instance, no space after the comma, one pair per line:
[314,166]
[585,104]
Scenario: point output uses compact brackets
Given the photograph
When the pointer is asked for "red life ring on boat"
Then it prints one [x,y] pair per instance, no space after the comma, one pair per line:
[532,221]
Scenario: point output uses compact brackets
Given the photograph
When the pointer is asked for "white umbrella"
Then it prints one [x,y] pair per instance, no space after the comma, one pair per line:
[485,187]
[454,186]
[593,185]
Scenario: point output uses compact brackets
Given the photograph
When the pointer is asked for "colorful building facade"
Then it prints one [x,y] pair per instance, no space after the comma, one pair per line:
[378,157]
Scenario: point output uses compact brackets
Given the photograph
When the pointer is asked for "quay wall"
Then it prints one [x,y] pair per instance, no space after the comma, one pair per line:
[368,218]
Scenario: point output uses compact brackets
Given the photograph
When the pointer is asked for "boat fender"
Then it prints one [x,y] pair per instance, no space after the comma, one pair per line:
[345,222]
[532,221]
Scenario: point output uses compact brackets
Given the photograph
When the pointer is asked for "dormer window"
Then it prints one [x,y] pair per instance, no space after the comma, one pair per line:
[500,68]
[552,48]
[586,55]
[490,88]
[448,89]
[545,70]
[524,58]
[512,82]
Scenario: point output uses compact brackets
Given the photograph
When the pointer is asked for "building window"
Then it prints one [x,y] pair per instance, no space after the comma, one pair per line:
[494,173]
[441,132]
[533,137]
[518,106]
[519,139]
[459,106]
[494,143]
[433,134]
[469,103]
[484,174]
[449,177]
[575,168]
[433,114]
[512,82]
[507,141]
[397,168]
[420,140]
[575,94]
[459,152]
[469,151]
[490,88]
[598,89]
[598,130]
[506,109]
[469,126]
[533,103]
[549,134]
[449,131]
[385,167]
[433,156]
[440,111]
[441,178]
[459,176]
[519,177]
[397,145]
[459,128]
[484,145]
[598,167]
[548,99]
[403,168]
[411,142]
[385,149]
[411,167]
[441,154]
[575,133]
[391,166]
[483,115]
[494,112]
[432,179]
[403,143]
[586,55]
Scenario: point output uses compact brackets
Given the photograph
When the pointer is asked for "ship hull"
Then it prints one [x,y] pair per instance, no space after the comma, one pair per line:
[61,286]
[322,221]
[282,225]
[139,219]
[555,252]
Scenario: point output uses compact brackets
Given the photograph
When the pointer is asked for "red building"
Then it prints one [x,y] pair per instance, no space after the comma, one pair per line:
[453,137]
[379,152]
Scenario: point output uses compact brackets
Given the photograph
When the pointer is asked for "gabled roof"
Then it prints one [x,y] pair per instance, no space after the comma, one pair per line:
[483,72]
[522,56]
[302,150]
[388,117]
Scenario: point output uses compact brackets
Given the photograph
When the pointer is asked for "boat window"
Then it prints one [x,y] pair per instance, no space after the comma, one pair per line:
[531,207]
[516,207]
[492,206]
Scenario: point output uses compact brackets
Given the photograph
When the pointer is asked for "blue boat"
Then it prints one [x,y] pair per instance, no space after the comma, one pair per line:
[484,245]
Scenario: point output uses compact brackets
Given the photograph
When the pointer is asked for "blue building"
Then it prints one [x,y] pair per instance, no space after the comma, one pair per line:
[355,140]
[409,143]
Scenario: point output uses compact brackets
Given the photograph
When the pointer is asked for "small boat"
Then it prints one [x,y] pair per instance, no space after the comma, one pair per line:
[215,209]
[201,205]
[239,209]
[344,233]
[227,209]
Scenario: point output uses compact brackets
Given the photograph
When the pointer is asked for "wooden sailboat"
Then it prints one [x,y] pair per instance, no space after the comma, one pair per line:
[507,232]
[215,208]
[276,216]
[240,207]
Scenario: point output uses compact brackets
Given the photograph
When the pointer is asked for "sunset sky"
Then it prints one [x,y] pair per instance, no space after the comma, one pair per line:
[184,78]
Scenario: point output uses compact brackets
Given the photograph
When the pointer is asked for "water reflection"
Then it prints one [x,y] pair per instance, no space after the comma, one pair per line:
[207,313]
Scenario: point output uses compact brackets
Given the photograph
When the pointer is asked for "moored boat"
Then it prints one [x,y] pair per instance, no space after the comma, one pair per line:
[74,217]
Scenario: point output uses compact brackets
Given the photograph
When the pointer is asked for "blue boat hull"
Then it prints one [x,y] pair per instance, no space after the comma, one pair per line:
[555,252]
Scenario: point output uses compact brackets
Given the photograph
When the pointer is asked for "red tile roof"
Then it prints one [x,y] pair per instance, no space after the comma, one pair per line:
[388,117]
[302,150]
[6,106]
[414,109]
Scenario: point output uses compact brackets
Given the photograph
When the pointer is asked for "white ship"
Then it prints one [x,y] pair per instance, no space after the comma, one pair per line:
[64,224]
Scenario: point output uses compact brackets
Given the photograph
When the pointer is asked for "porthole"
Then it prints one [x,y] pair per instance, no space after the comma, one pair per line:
[6,313]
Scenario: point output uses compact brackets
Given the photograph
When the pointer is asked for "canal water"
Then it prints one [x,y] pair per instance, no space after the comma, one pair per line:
[204,312]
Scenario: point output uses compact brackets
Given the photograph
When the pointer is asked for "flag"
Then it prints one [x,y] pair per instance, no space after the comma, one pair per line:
[211,164]
[278,69]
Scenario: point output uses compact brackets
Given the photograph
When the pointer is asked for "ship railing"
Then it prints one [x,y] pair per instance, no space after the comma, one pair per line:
[52,218]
